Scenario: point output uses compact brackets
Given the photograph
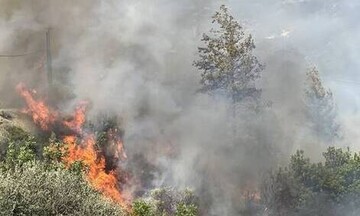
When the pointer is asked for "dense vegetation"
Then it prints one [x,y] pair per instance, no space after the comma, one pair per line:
[34,189]
[331,187]
[33,181]
[32,184]
[35,184]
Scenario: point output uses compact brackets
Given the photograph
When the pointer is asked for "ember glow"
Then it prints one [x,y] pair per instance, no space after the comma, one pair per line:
[80,146]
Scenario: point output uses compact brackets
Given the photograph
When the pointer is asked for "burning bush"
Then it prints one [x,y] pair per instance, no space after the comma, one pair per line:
[29,186]
[79,144]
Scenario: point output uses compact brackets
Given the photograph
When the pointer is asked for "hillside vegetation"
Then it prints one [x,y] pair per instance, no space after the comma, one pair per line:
[34,181]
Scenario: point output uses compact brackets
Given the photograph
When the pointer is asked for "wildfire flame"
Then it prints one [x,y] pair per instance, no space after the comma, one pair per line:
[79,149]
[99,179]
[78,120]
[40,113]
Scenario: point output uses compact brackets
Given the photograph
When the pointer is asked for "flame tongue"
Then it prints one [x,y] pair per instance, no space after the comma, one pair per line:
[107,183]
[78,120]
[40,113]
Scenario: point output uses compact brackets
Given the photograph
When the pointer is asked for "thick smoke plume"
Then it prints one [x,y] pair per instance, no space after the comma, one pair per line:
[133,59]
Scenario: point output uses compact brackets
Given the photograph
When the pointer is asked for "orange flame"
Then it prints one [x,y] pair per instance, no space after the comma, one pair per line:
[78,119]
[99,179]
[107,183]
[40,113]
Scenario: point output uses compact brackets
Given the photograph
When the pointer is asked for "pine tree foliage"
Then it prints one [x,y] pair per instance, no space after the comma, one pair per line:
[226,61]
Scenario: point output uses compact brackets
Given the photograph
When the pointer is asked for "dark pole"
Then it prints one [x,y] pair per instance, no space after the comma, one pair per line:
[48,62]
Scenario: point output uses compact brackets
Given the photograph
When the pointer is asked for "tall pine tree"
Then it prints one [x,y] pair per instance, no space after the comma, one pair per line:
[226,61]
[320,108]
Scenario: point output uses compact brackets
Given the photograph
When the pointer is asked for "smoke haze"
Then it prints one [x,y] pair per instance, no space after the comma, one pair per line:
[134,59]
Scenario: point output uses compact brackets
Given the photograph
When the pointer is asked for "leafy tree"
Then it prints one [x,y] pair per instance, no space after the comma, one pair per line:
[305,188]
[227,62]
[320,108]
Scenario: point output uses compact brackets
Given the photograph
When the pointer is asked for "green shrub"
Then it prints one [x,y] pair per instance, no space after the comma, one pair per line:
[16,133]
[143,208]
[186,210]
[19,153]
[54,151]
[33,189]
[167,202]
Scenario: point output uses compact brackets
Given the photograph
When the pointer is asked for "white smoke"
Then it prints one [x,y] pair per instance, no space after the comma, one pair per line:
[134,59]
